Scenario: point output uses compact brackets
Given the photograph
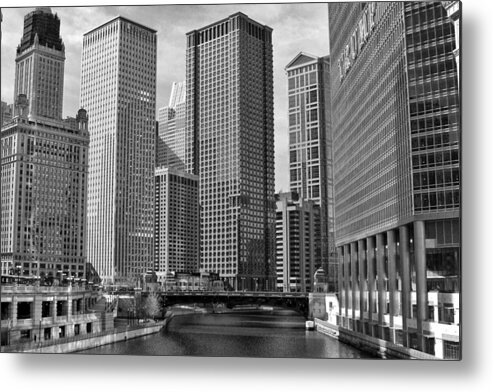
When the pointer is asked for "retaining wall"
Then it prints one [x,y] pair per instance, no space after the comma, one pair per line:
[88,343]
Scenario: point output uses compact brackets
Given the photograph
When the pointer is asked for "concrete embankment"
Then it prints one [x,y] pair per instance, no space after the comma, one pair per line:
[377,347]
[92,342]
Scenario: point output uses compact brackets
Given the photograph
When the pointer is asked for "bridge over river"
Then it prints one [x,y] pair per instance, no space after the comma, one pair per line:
[295,301]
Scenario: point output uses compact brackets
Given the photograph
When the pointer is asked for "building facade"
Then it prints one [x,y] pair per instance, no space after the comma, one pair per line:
[176,230]
[396,144]
[229,112]
[118,89]
[32,316]
[44,162]
[297,222]
[172,140]
[310,149]
[39,64]
[6,114]
[44,196]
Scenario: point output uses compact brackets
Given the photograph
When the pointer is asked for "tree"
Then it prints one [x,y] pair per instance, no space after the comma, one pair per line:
[152,306]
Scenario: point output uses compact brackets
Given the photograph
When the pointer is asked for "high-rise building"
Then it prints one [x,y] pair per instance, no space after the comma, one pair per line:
[44,196]
[310,149]
[44,162]
[297,220]
[40,63]
[119,92]
[176,232]
[172,141]
[229,81]
[396,144]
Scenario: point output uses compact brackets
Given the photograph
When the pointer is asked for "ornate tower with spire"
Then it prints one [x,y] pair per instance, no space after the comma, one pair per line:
[40,64]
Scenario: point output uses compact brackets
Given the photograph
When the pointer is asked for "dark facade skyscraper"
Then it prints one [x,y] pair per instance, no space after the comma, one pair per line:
[310,150]
[40,64]
[395,105]
[118,89]
[229,80]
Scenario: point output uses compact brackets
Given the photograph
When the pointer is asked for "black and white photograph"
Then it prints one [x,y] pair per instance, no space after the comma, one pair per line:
[170,189]
[254,181]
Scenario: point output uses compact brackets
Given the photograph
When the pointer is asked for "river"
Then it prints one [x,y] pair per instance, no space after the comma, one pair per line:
[245,334]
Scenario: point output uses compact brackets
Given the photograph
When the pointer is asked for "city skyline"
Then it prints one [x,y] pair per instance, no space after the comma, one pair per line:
[296,27]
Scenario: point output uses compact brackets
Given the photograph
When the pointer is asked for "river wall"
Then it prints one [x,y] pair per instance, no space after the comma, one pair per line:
[374,346]
[92,342]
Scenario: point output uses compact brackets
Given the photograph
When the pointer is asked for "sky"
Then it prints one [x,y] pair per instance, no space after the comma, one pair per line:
[297,27]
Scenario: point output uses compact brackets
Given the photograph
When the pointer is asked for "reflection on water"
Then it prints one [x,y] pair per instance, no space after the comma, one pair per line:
[235,335]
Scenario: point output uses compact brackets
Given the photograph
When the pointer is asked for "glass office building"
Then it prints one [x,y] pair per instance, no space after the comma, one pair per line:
[229,81]
[396,144]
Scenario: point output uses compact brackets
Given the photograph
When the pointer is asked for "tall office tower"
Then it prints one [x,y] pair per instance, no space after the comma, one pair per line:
[310,149]
[176,230]
[296,242]
[119,92]
[229,81]
[40,63]
[395,117]
[172,141]
[44,195]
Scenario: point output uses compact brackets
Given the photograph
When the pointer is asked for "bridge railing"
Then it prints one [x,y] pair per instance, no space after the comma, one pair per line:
[275,294]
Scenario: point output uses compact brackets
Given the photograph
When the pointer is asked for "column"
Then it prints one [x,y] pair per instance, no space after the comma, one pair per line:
[354,283]
[421,289]
[381,280]
[406,286]
[347,256]
[370,261]
[340,261]
[362,280]
[392,278]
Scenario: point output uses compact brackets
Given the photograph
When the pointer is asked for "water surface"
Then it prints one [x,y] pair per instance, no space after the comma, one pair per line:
[245,334]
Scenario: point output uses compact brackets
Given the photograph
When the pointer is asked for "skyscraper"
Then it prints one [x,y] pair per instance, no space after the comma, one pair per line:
[176,236]
[44,196]
[297,221]
[310,149]
[172,140]
[229,81]
[40,64]
[44,163]
[395,106]
[119,92]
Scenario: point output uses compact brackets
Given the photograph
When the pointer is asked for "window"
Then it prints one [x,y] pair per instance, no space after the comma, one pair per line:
[45,309]
[451,350]
[23,310]
[25,334]
[5,310]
